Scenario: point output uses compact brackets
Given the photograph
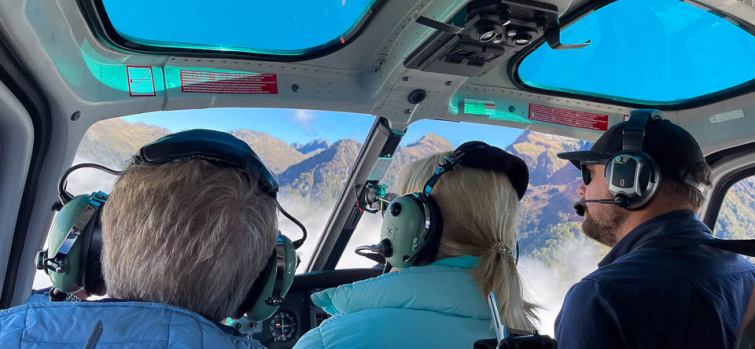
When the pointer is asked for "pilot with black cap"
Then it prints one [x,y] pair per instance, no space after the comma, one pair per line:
[643,181]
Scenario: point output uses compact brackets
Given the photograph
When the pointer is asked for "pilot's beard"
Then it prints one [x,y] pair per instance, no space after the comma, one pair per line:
[603,227]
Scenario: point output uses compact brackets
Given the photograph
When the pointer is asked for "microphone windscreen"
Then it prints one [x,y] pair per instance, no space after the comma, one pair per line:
[579,209]
[622,200]
[386,200]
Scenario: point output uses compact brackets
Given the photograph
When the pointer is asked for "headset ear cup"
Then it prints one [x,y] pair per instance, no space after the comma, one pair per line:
[430,250]
[93,280]
[263,279]
[409,225]
[272,285]
[69,280]
[640,171]
[402,226]
[651,183]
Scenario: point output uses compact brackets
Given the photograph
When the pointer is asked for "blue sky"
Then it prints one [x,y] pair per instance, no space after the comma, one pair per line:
[290,26]
[302,126]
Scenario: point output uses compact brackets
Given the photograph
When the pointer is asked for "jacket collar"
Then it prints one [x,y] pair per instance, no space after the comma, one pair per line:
[465,262]
[445,286]
[676,223]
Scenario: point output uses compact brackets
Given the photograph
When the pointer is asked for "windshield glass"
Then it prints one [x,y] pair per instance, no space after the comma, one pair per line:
[645,51]
[311,152]
[292,27]
[554,252]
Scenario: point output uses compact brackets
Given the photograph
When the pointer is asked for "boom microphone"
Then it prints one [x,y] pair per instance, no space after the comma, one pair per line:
[579,206]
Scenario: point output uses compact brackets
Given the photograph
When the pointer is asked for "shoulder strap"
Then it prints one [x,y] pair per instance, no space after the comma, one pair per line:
[746,333]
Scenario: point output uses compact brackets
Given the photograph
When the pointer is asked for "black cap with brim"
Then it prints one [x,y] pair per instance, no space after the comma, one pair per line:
[487,157]
[669,145]
[583,157]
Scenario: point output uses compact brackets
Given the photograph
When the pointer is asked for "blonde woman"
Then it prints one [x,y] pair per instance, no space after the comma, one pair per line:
[470,199]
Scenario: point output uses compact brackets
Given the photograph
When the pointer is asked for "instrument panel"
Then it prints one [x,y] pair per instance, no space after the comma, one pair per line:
[298,314]
[283,326]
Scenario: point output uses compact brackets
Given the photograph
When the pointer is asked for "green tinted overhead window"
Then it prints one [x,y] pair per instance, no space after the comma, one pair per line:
[273,27]
[646,52]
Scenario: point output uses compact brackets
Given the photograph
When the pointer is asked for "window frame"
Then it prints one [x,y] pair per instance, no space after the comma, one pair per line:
[719,192]
[584,10]
[96,17]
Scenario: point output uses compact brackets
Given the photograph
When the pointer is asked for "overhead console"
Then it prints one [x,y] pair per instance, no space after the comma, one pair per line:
[478,37]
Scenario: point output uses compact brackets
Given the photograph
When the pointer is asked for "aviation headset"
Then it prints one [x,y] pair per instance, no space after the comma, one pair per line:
[632,176]
[73,259]
[412,223]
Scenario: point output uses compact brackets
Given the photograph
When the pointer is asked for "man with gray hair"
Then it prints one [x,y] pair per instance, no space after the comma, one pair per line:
[187,231]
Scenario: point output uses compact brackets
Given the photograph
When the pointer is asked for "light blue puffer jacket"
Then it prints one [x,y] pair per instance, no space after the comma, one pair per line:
[64,325]
[434,306]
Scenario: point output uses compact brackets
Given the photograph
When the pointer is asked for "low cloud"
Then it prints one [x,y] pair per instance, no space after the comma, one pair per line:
[88,180]
[547,285]
[304,118]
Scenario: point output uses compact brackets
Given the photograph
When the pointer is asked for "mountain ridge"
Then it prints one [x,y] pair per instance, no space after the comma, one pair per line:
[317,171]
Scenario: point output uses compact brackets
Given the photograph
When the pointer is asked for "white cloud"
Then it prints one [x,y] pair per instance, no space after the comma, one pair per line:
[547,285]
[303,118]
[88,180]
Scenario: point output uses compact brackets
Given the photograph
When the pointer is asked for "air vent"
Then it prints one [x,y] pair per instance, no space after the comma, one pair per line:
[491,29]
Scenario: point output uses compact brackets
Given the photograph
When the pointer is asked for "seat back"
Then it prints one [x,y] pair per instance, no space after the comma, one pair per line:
[746,335]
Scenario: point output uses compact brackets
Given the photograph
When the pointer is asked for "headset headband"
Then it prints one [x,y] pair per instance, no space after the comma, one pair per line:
[634,132]
[486,157]
[219,148]
[444,166]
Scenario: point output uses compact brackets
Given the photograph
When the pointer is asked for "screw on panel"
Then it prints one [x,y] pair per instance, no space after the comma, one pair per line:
[408,111]
[76,115]
[512,109]
[405,78]
[295,88]
[449,83]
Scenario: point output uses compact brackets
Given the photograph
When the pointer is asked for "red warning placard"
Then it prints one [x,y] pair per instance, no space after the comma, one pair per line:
[566,117]
[195,81]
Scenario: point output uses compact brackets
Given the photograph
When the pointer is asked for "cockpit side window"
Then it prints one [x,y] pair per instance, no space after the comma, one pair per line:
[736,218]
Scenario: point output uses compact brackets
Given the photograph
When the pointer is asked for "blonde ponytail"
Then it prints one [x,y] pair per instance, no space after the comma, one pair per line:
[497,272]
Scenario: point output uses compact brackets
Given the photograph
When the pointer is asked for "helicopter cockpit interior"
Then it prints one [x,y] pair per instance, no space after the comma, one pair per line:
[337,96]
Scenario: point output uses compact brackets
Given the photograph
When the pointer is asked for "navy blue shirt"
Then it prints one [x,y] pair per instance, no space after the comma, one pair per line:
[647,297]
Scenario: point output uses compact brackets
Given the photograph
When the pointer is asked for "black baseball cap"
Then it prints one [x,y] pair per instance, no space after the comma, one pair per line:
[668,144]
[487,157]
